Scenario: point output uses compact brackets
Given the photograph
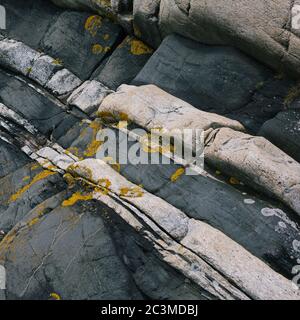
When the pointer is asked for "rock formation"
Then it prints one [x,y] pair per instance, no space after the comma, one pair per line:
[69,70]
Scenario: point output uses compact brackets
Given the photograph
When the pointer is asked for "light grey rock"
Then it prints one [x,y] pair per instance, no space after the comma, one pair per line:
[152,108]
[16,56]
[257,162]
[63,83]
[259,28]
[89,96]
[43,69]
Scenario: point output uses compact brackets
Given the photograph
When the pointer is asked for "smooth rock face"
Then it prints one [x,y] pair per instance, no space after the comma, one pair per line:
[284,132]
[124,63]
[151,107]
[216,79]
[260,28]
[257,162]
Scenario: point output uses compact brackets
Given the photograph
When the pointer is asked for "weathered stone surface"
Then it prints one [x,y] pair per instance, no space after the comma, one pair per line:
[284,132]
[89,96]
[29,22]
[63,83]
[217,79]
[257,162]
[80,39]
[261,28]
[124,63]
[17,56]
[204,198]
[43,69]
[145,19]
[11,158]
[43,113]
[152,108]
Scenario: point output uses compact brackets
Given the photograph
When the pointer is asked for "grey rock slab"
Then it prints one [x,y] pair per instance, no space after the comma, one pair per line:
[63,83]
[29,21]
[261,28]
[11,158]
[218,79]
[257,162]
[81,41]
[43,113]
[284,132]
[88,96]
[17,56]
[124,64]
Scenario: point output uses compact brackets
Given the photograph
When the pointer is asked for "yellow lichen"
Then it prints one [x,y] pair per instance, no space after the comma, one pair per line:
[234,181]
[131,192]
[178,173]
[33,222]
[77,196]
[97,49]
[139,48]
[92,148]
[55,296]
[57,62]
[70,180]
[26,178]
[106,37]
[92,24]
[42,175]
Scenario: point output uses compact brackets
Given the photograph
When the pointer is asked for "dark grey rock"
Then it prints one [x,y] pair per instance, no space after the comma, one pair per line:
[217,79]
[284,132]
[81,41]
[11,158]
[124,63]
[42,112]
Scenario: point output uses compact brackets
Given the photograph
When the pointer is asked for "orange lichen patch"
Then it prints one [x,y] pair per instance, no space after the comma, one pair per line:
[97,49]
[77,196]
[70,180]
[33,222]
[132,192]
[35,166]
[178,173]
[103,186]
[42,175]
[55,296]
[106,37]
[92,148]
[234,181]
[94,145]
[92,24]
[73,150]
[150,145]
[57,62]
[138,47]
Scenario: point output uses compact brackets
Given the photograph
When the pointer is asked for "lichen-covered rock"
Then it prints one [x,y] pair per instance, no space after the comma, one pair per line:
[124,64]
[257,162]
